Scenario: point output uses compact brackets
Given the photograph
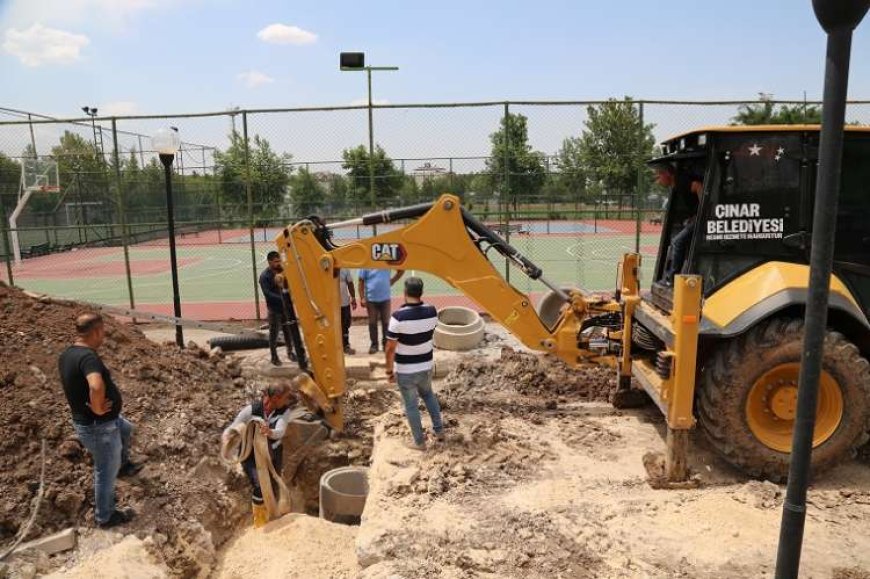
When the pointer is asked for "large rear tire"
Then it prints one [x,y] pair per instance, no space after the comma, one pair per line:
[748,393]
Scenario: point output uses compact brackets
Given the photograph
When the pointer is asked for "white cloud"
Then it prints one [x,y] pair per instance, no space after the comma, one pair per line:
[283,34]
[255,78]
[41,45]
[118,109]
[111,13]
[365,102]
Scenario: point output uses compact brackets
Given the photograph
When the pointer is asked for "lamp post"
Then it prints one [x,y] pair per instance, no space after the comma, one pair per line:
[355,62]
[838,18]
[166,142]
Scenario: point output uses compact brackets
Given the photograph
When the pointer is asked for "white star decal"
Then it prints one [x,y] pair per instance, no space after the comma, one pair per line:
[755,150]
[779,153]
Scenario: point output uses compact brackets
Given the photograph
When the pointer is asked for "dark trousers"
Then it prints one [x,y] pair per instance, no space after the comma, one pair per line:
[378,311]
[345,326]
[249,465]
[679,249]
[278,321]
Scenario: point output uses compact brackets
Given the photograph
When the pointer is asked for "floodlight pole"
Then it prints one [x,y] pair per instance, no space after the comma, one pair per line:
[838,18]
[368,70]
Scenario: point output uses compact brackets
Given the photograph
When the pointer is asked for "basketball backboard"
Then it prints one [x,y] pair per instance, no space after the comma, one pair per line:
[39,174]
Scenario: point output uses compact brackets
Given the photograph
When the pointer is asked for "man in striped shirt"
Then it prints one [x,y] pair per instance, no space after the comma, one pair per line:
[410,360]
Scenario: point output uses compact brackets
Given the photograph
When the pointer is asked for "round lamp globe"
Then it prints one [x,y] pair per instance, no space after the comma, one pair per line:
[166,141]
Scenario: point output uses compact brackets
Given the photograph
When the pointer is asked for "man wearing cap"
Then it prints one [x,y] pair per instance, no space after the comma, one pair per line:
[410,360]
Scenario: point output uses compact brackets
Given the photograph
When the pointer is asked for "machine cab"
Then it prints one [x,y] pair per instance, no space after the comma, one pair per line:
[754,205]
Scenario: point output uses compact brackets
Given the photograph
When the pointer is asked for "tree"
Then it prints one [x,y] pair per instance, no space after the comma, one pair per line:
[434,187]
[388,179]
[77,161]
[306,194]
[512,153]
[410,192]
[10,178]
[613,147]
[269,174]
[765,113]
[337,194]
[571,179]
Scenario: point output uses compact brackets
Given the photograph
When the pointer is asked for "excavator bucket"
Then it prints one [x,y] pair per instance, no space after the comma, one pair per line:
[316,399]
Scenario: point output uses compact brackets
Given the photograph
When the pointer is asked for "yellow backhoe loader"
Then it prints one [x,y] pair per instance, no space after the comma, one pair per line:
[715,341]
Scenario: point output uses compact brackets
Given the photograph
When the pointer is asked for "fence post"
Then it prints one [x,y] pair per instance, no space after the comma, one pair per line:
[549,194]
[122,211]
[640,182]
[371,147]
[5,233]
[506,188]
[250,194]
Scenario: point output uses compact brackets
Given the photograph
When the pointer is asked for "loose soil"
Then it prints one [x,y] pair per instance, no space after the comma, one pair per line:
[538,476]
[295,546]
[179,401]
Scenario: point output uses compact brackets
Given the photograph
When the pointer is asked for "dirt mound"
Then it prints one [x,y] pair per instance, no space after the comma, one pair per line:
[529,377]
[179,401]
[293,546]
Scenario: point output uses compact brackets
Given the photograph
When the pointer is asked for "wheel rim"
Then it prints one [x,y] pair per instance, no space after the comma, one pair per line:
[772,403]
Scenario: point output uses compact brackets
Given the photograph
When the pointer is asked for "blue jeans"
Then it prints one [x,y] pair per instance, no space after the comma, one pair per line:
[109,445]
[679,248]
[412,386]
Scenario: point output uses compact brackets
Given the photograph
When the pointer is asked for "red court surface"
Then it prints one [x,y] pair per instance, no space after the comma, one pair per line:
[93,262]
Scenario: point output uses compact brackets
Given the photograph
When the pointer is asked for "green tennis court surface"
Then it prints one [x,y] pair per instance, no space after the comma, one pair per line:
[217,279]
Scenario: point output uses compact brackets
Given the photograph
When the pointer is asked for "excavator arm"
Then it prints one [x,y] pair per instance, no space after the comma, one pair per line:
[444,240]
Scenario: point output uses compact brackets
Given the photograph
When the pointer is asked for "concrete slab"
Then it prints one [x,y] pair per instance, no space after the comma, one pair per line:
[56,543]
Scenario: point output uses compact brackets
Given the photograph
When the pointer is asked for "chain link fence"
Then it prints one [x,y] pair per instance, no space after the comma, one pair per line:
[96,229]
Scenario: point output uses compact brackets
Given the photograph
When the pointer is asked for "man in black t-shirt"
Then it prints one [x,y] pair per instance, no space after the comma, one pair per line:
[95,403]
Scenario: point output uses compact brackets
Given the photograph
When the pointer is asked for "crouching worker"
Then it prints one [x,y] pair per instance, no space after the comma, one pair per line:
[256,439]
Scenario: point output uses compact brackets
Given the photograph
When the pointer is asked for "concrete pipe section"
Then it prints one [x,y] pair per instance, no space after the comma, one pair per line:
[551,306]
[343,493]
[458,329]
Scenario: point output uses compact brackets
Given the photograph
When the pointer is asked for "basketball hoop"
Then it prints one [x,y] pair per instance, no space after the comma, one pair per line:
[49,189]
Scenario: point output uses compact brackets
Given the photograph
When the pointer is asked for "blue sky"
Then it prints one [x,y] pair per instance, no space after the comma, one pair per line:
[151,56]
[177,56]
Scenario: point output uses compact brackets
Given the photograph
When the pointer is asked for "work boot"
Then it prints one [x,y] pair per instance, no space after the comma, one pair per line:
[119,517]
[260,515]
[275,360]
[129,468]
[414,446]
[349,351]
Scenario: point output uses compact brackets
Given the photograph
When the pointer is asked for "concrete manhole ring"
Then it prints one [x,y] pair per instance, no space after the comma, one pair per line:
[458,329]
[550,306]
[343,493]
